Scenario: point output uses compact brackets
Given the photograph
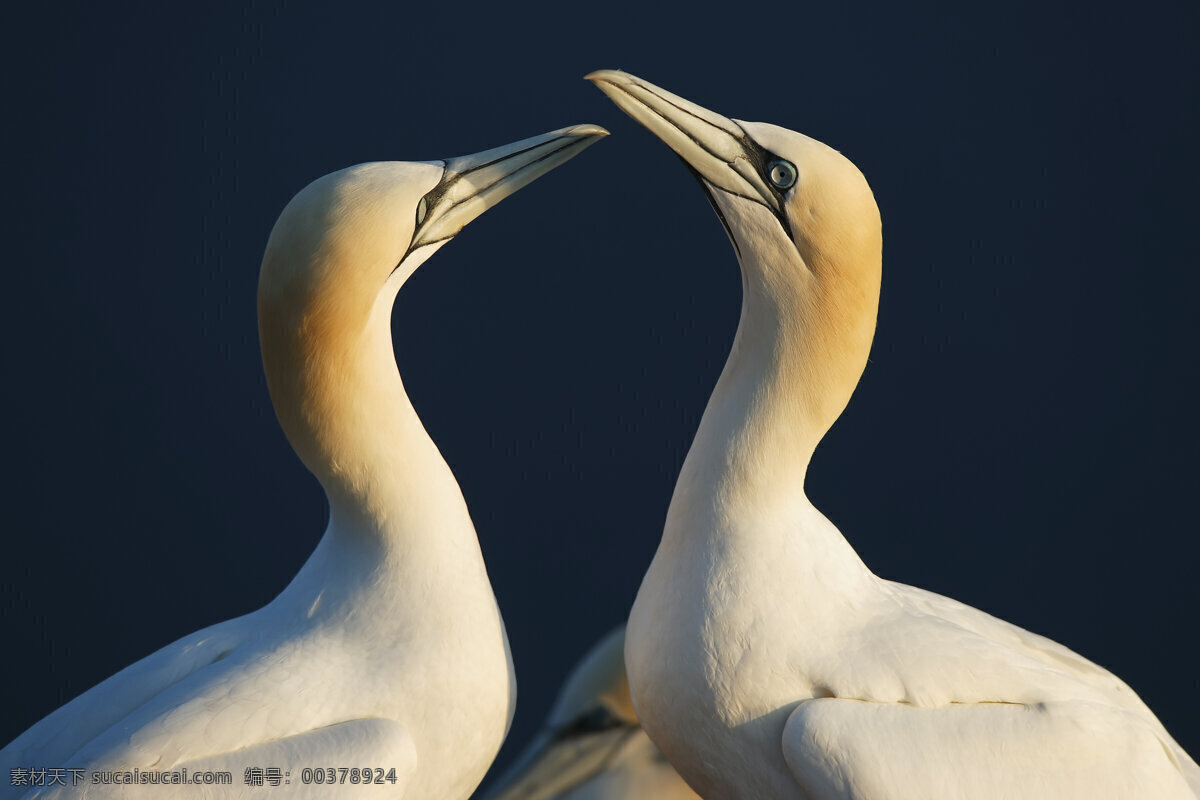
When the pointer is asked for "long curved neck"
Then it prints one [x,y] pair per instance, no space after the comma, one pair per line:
[800,348]
[339,397]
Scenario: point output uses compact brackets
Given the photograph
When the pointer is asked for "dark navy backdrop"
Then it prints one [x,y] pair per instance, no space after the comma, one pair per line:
[1023,438]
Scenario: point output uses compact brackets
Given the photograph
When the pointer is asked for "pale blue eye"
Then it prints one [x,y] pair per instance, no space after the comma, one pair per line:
[782,173]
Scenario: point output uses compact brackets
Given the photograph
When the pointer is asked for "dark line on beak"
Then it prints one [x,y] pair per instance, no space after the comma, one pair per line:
[753,153]
[742,140]
[508,175]
[433,198]
[498,160]
[690,113]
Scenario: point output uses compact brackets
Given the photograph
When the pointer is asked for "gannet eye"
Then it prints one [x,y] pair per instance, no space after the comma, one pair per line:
[782,173]
[422,210]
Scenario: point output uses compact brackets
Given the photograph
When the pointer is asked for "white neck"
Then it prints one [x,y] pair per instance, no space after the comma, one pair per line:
[752,448]
[801,345]
[339,397]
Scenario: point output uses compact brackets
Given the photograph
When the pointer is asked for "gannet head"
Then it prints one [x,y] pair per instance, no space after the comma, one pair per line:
[802,220]
[345,244]
[347,235]
[588,728]
[779,193]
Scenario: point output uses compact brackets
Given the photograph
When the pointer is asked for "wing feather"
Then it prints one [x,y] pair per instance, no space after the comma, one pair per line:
[840,749]
[58,736]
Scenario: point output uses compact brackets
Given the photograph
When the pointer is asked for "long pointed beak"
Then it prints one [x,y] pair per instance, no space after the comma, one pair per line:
[553,764]
[715,147]
[473,184]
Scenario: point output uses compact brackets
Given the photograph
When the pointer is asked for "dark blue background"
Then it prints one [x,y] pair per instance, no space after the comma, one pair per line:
[1024,437]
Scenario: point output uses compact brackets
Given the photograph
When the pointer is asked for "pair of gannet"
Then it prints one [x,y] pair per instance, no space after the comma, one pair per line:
[764,658]
[386,652]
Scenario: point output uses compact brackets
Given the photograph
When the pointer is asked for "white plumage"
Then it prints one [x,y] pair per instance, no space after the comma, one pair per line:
[764,658]
[387,650]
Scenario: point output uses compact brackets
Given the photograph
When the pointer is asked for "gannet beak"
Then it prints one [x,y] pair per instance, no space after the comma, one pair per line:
[716,148]
[556,762]
[473,184]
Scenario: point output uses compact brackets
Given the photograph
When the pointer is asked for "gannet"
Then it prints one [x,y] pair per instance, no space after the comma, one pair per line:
[386,652]
[765,659]
[591,747]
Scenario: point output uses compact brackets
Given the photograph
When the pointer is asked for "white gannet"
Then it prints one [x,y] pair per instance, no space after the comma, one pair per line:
[592,747]
[764,658]
[386,651]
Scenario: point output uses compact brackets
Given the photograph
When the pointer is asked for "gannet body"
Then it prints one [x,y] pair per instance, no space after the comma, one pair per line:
[592,747]
[764,658]
[386,652]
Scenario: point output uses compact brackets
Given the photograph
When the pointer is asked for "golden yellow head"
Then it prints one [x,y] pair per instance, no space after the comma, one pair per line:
[806,230]
[792,196]
[340,251]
